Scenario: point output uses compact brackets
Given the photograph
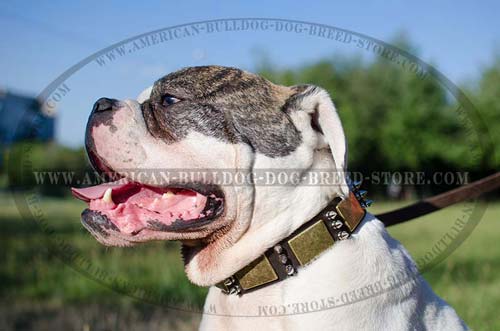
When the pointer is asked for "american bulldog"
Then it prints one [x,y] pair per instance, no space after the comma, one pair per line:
[285,257]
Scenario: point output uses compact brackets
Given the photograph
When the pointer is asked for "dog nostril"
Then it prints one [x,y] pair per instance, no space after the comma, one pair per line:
[104,104]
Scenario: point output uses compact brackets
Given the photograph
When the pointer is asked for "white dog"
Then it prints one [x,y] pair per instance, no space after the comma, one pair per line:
[287,257]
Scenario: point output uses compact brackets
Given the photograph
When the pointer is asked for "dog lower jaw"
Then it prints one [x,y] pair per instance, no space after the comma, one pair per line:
[191,247]
[202,261]
[191,242]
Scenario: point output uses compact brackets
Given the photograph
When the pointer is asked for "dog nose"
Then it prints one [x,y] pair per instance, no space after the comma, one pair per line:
[104,104]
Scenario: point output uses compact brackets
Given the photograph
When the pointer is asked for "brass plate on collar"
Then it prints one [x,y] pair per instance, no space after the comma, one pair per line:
[257,273]
[311,242]
[351,211]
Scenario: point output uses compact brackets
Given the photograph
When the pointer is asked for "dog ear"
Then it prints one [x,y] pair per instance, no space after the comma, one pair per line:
[324,118]
[144,95]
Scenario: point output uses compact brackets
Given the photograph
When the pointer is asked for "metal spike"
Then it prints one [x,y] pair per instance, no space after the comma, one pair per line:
[357,184]
[361,194]
[367,203]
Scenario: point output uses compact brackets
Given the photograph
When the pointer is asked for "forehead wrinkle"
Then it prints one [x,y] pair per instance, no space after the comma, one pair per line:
[231,105]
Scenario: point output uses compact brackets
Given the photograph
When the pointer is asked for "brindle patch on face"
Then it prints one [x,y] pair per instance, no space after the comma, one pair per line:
[226,103]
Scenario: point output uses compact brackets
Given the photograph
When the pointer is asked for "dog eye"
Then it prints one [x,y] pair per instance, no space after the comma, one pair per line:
[169,100]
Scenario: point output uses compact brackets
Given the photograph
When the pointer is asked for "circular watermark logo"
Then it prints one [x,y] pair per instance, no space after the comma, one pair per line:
[30,207]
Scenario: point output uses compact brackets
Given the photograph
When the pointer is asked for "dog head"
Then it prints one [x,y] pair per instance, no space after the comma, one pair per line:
[204,121]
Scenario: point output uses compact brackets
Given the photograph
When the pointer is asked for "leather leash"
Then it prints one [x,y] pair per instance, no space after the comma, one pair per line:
[440,201]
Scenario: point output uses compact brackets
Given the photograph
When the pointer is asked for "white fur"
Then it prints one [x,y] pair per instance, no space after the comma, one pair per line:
[261,216]
[370,255]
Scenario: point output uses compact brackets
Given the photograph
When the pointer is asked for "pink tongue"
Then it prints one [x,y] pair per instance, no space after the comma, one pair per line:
[146,206]
[134,206]
[96,192]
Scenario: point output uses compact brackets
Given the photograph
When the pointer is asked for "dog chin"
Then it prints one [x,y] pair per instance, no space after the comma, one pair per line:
[201,259]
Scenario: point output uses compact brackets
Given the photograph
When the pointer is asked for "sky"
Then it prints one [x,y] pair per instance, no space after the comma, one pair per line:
[41,39]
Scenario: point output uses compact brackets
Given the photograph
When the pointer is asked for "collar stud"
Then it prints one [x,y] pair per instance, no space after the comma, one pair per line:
[337,224]
[278,249]
[343,235]
[331,215]
[289,270]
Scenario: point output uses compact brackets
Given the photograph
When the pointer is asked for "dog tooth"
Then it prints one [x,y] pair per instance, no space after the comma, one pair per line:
[167,195]
[108,196]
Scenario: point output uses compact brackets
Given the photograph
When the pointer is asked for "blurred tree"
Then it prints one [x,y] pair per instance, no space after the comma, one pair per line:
[486,96]
[394,119]
[65,165]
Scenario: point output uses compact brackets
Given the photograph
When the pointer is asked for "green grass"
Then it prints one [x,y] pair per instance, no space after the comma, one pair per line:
[34,264]
[30,272]
[469,279]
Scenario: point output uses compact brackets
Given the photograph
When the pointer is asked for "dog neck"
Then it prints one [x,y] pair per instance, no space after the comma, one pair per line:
[278,211]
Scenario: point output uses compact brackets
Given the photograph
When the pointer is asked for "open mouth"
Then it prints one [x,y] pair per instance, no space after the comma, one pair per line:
[131,207]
